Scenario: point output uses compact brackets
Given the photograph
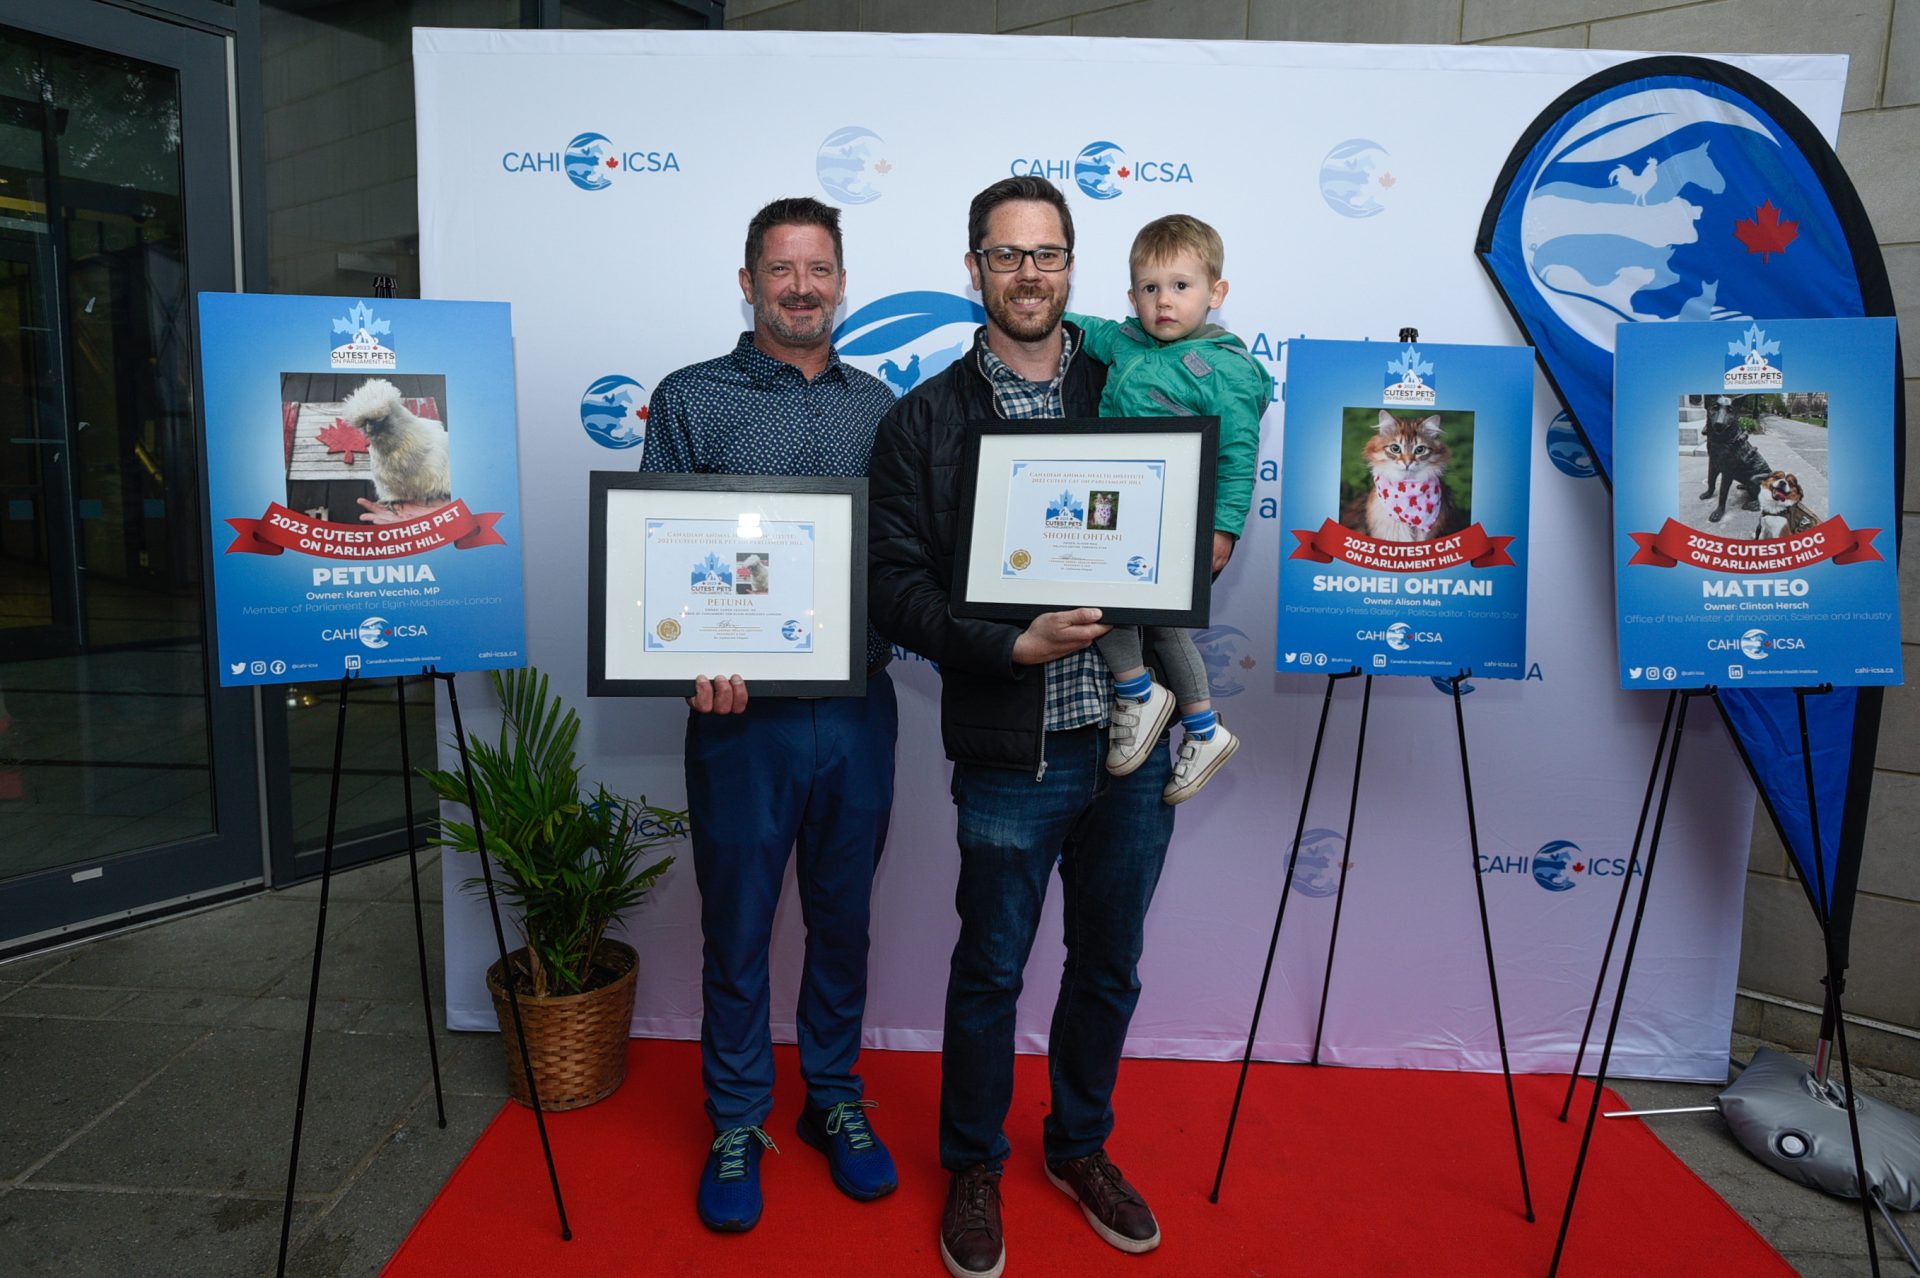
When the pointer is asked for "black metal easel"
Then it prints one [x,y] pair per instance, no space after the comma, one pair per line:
[1686,697]
[1486,931]
[420,937]
[1834,982]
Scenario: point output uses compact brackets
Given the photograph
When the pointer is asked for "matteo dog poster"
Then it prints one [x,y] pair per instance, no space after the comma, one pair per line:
[1403,501]
[363,486]
[1753,503]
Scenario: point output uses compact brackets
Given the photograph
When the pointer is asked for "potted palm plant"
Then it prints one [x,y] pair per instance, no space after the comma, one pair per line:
[572,862]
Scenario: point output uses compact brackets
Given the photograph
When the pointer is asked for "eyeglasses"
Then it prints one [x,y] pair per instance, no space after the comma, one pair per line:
[1004,258]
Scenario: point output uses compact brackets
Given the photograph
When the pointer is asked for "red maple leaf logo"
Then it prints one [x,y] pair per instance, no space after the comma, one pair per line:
[1578,867]
[641,412]
[1386,179]
[1246,663]
[1766,234]
[612,163]
[1124,171]
[344,438]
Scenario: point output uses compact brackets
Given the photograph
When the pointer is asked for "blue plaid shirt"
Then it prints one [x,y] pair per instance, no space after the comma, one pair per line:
[1078,689]
[748,413]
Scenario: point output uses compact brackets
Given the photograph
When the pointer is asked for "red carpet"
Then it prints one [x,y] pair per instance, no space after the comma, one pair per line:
[1334,1172]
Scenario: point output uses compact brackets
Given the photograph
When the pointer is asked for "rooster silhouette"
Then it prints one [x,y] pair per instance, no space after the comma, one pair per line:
[1638,183]
[902,378]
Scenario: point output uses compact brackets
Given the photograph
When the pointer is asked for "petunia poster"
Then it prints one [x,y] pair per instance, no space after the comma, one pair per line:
[363,486]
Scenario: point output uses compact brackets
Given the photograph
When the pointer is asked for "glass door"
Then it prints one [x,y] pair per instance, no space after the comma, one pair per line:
[127,777]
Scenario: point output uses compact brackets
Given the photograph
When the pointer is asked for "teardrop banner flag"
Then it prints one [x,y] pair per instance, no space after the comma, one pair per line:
[1682,189]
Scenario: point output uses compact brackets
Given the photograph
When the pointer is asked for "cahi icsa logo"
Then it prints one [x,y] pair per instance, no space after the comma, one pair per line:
[374,632]
[1558,865]
[592,161]
[613,412]
[1757,645]
[1102,170]
[905,338]
[1399,636]
[852,165]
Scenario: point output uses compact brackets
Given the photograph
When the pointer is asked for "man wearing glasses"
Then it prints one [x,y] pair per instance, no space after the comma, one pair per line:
[1023,716]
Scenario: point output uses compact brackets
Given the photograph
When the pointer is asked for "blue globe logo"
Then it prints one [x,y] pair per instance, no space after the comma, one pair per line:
[1355,180]
[1753,645]
[1098,169]
[1228,656]
[1551,863]
[905,338]
[850,166]
[586,162]
[1566,451]
[613,412]
[1316,870]
[1137,566]
[1399,636]
[793,631]
[1445,685]
[373,632]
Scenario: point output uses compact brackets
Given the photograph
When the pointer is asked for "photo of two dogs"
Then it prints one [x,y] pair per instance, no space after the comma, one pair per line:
[1777,497]
[366,449]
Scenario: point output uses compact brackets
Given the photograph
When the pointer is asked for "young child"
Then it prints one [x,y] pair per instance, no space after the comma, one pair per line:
[1171,362]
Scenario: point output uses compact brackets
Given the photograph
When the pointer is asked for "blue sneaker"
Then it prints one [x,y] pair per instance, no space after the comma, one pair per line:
[861,1165]
[729,1199]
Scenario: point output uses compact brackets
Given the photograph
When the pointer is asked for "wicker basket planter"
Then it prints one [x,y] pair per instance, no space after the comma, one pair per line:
[578,1042]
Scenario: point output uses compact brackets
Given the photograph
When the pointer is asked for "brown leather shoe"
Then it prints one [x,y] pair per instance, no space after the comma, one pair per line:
[971,1242]
[1114,1208]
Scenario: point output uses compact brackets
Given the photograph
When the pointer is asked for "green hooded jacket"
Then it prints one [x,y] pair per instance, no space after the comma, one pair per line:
[1208,373]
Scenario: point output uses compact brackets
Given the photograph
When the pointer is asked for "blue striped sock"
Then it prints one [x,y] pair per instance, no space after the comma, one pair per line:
[1134,689]
[1200,724]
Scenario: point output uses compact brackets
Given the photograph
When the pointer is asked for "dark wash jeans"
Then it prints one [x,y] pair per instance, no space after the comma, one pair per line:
[811,778]
[1109,836]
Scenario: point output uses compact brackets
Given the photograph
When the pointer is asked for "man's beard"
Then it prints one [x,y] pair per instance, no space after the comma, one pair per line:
[1025,327]
[795,329]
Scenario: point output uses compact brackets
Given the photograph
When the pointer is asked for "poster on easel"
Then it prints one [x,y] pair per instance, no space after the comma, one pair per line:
[363,486]
[1753,503]
[1403,505]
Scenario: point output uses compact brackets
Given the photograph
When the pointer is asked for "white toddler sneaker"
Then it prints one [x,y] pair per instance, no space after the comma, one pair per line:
[1197,763]
[1137,726]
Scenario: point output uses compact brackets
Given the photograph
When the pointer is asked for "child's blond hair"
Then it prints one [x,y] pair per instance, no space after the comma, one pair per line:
[1167,237]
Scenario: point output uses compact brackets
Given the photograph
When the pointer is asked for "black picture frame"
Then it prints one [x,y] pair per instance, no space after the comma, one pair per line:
[767,675]
[972,595]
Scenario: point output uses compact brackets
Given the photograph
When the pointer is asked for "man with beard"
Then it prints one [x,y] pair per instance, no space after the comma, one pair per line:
[1023,716]
[768,774]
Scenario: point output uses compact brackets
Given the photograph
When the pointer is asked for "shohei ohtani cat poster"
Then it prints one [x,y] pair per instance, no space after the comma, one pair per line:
[363,486]
[1753,507]
[1403,509]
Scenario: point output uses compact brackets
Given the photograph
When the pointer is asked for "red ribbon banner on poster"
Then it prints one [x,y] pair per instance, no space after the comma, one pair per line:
[1678,544]
[281,530]
[1471,545]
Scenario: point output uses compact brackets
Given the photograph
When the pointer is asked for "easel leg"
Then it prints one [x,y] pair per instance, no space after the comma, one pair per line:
[1626,970]
[413,877]
[1273,945]
[500,939]
[1486,935]
[1620,906]
[313,985]
[1340,895]
[1835,981]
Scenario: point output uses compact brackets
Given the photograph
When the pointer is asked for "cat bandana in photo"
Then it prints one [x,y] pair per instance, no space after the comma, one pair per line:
[1414,502]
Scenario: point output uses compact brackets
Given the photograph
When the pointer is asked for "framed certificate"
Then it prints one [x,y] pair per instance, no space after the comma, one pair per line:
[763,576]
[1111,513]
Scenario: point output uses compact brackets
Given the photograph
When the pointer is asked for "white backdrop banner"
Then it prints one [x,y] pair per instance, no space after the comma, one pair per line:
[601,182]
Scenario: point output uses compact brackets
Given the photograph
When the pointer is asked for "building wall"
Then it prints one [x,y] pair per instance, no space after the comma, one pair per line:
[1880,143]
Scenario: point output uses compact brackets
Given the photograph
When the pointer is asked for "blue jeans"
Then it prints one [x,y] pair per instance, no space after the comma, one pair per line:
[1109,836]
[813,776]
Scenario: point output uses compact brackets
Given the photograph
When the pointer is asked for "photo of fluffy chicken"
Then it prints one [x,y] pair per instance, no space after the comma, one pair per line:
[409,455]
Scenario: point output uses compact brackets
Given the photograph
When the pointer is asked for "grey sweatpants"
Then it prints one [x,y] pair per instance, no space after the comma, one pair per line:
[1186,675]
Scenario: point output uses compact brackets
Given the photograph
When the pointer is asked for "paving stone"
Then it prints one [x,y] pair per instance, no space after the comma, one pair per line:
[358,1233]
[471,1064]
[332,1014]
[179,1007]
[68,1001]
[220,1117]
[1380,22]
[42,1105]
[372,882]
[70,1233]
[1189,20]
[374,956]
[239,948]
[37,966]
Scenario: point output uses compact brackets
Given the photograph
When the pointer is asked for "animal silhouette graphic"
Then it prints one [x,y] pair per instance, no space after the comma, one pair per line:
[902,379]
[1636,183]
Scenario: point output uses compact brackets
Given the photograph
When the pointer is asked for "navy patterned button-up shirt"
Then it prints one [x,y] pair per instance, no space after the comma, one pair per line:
[747,413]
